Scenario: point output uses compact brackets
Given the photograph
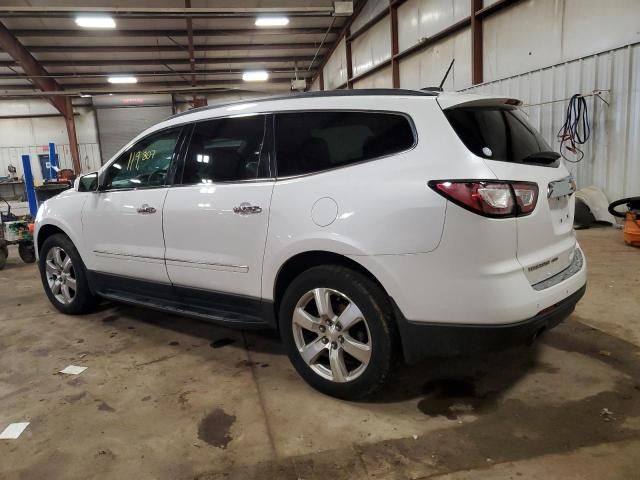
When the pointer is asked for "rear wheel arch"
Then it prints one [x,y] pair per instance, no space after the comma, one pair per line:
[301,262]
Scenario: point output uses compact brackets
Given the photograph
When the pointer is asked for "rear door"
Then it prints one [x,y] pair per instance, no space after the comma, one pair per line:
[498,132]
[215,222]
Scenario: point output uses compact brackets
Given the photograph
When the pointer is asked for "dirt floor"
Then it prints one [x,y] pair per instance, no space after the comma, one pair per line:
[170,398]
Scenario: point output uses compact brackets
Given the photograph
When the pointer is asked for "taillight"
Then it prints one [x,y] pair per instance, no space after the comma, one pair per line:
[494,199]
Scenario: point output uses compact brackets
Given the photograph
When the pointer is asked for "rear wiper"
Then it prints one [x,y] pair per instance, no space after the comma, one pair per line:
[541,157]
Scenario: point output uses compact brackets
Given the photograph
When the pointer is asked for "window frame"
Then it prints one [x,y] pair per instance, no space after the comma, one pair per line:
[410,121]
[176,168]
[171,170]
[267,149]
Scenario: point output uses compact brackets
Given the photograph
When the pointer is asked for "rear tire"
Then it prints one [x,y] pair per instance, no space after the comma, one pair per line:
[64,276]
[337,326]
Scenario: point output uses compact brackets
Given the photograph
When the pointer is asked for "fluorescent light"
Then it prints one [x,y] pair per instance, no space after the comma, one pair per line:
[101,21]
[255,76]
[123,79]
[272,21]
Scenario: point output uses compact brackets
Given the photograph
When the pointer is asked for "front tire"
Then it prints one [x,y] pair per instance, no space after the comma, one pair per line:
[64,276]
[337,326]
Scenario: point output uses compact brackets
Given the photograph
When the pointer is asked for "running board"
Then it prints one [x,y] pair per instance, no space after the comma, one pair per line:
[214,307]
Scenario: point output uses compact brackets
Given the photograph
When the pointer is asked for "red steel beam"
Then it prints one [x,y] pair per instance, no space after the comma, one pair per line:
[395,63]
[30,65]
[476,43]
[349,59]
[192,59]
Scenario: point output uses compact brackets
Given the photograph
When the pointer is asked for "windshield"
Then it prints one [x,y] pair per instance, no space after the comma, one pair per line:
[502,134]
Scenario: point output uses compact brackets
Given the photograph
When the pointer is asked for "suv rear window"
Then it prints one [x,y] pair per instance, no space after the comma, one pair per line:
[501,133]
[308,142]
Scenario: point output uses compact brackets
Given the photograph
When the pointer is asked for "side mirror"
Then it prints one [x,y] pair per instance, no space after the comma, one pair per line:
[87,183]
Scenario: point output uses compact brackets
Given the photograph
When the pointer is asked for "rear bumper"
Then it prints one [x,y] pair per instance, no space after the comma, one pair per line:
[420,339]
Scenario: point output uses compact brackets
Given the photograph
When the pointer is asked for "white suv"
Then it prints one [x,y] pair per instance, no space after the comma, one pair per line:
[364,225]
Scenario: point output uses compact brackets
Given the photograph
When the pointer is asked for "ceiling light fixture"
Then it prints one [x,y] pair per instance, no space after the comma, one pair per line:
[255,76]
[123,79]
[101,21]
[272,21]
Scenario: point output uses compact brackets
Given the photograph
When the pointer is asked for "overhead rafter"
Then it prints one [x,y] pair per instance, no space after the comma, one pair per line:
[170,48]
[155,73]
[165,61]
[160,12]
[213,33]
[30,65]
[82,87]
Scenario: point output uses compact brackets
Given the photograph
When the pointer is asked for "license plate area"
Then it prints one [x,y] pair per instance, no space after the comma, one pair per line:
[561,188]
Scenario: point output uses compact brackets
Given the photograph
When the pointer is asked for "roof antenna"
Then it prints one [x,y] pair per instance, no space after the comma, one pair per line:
[444,79]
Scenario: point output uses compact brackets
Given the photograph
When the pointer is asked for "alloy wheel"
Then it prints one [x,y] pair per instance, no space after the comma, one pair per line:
[331,335]
[61,275]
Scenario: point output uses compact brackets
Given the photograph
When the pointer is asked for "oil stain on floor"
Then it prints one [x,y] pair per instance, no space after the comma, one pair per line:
[215,428]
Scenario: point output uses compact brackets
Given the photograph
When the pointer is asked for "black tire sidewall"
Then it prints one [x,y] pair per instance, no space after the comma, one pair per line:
[4,254]
[84,299]
[374,304]
[27,252]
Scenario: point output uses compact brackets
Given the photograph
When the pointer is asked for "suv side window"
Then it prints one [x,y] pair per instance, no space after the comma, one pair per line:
[227,150]
[308,142]
[145,164]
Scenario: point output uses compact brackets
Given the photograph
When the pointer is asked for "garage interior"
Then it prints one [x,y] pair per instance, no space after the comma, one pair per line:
[165,397]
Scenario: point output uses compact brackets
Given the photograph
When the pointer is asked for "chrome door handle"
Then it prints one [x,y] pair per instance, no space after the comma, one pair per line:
[246,208]
[146,209]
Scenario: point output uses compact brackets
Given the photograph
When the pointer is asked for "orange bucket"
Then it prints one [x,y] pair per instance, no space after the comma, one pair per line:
[631,232]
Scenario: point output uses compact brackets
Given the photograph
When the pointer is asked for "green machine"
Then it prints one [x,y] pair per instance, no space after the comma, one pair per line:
[16,230]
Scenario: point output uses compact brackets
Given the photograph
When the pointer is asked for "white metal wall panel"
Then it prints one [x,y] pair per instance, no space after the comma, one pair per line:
[372,47]
[419,19]
[89,158]
[335,70]
[19,136]
[315,85]
[537,33]
[522,38]
[381,79]
[591,26]
[612,154]
[427,68]
[370,10]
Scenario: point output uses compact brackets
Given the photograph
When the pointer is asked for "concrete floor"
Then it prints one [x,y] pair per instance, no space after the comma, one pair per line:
[171,398]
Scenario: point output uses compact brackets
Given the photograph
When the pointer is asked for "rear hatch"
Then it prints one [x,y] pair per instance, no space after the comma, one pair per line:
[495,130]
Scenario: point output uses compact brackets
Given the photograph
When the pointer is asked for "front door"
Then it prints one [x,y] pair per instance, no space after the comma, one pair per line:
[215,223]
[122,223]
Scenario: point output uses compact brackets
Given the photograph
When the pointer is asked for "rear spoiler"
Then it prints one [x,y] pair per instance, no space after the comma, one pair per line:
[460,100]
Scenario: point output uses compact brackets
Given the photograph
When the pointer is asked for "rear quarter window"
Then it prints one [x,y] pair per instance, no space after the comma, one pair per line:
[502,134]
[308,142]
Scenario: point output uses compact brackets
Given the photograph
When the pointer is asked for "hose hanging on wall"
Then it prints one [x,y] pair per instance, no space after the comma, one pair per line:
[576,129]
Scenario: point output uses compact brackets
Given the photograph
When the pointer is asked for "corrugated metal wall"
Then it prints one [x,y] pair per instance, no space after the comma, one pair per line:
[89,158]
[612,155]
